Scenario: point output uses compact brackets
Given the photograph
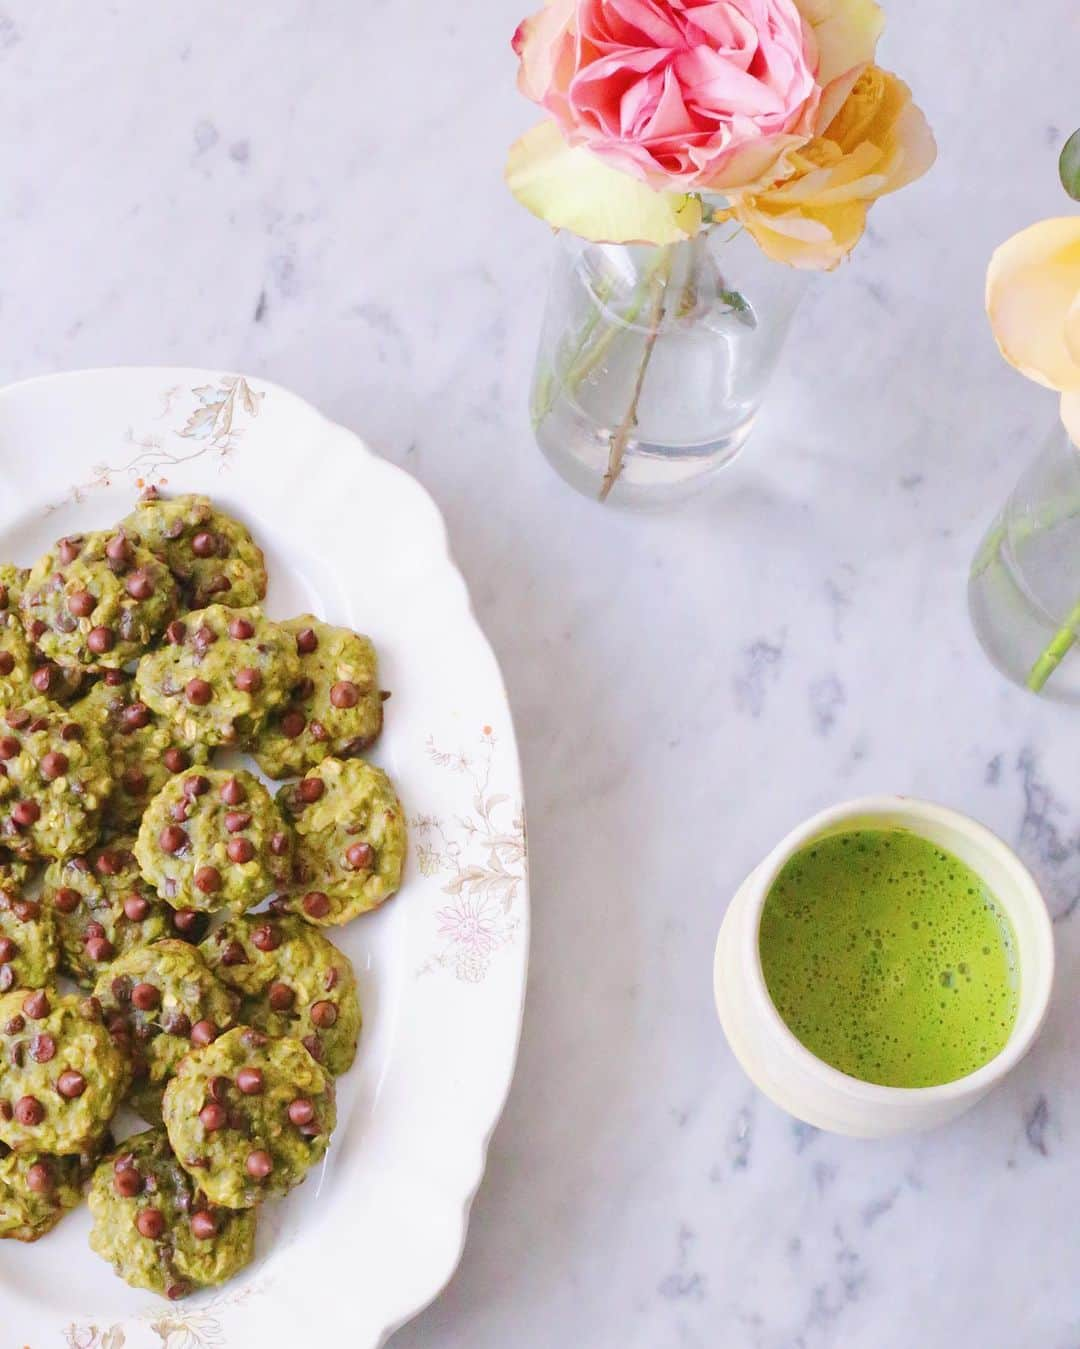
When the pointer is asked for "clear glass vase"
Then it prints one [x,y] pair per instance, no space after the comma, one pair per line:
[654,361]
[1024,588]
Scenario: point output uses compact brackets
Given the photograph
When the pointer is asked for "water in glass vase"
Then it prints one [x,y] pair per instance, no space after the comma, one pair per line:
[653,361]
[1024,587]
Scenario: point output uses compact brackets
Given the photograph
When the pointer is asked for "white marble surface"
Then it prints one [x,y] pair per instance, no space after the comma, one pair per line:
[310,190]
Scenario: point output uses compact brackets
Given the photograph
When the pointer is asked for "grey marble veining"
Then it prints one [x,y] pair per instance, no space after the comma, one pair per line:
[311,191]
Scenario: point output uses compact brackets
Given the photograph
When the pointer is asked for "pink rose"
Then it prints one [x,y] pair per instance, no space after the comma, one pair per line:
[686,95]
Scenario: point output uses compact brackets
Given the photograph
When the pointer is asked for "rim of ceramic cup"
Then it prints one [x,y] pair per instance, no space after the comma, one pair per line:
[1025,893]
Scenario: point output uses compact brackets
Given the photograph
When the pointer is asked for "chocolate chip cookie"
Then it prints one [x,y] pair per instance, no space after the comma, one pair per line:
[213,556]
[213,839]
[350,840]
[336,708]
[54,781]
[97,601]
[159,1001]
[145,750]
[220,674]
[249,1116]
[293,981]
[63,1077]
[157,1228]
[102,908]
[29,947]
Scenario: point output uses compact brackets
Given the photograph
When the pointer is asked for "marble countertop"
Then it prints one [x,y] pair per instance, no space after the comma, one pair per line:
[311,192]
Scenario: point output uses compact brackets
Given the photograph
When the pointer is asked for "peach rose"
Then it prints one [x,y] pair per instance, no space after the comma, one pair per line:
[683,94]
[876,143]
[1033,300]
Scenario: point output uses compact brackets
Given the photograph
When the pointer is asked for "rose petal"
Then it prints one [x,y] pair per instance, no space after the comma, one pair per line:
[572,189]
[1032,286]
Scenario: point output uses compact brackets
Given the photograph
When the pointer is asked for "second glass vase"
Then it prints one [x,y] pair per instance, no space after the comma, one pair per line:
[654,361]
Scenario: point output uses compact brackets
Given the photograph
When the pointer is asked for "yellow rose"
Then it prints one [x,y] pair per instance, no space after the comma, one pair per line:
[877,142]
[1033,300]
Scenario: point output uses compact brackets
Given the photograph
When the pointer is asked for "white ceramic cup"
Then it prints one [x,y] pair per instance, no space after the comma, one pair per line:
[803,1084]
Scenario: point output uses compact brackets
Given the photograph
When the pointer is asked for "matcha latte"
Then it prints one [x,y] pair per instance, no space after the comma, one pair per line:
[889,958]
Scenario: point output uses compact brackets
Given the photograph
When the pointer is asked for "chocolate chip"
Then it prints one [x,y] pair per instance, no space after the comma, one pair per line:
[81,603]
[197,785]
[234,954]
[7,978]
[7,663]
[219,1088]
[259,1164]
[203,1033]
[36,630]
[187,921]
[69,549]
[99,949]
[17,718]
[314,1047]
[127,1182]
[213,1117]
[42,1048]
[198,692]
[233,792]
[318,732]
[208,880]
[70,731]
[29,1111]
[14,1025]
[39,1178]
[279,845]
[100,640]
[8,950]
[150,1223]
[306,641]
[204,545]
[203,1226]
[266,937]
[146,997]
[134,781]
[324,1015]
[293,723]
[250,1081]
[36,1005]
[139,585]
[176,1023]
[26,813]
[240,629]
[204,637]
[235,820]
[135,717]
[280,997]
[70,1084]
[118,549]
[136,907]
[175,632]
[110,862]
[9,747]
[359,856]
[175,760]
[240,850]
[67,900]
[171,839]
[301,1111]
[316,904]
[310,790]
[344,694]
[175,1291]
[53,765]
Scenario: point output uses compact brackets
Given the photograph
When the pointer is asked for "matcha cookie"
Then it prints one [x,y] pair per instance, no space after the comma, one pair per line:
[158,1002]
[220,674]
[350,839]
[102,908]
[249,1116]
[63,1077]
[36,1190]
[29,948]
[336,708]
[145,750]
[155,1226]
[16,657]
[213,556]
[97,601]
[214,840]
[54,782]
[293,981]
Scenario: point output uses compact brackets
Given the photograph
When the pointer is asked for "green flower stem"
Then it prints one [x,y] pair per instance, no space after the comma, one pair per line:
[1062,643]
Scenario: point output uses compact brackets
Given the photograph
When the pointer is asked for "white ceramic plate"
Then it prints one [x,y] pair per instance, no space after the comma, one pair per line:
[373,1237]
